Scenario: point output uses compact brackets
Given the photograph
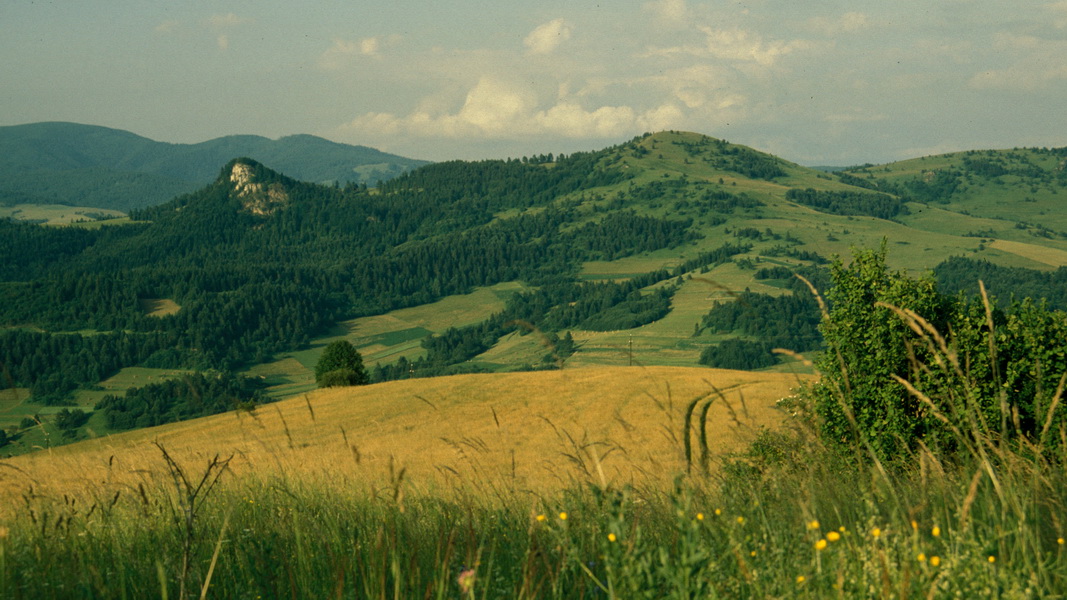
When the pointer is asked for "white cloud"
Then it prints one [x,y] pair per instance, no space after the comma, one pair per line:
[223,41]
[494,109]
[746,46]
[369,46]
[547,37]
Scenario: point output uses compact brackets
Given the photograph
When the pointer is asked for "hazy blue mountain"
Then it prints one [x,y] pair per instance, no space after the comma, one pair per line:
[87,165]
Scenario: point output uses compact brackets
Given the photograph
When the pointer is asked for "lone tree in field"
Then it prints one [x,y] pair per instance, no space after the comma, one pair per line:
[340,365]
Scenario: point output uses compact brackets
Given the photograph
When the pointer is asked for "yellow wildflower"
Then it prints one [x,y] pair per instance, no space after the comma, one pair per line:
[921,557]
[562,516]
[936,531]
[813,525]
[821,544]
[718,511]
[992,559]
[700,516]
[1059,541]
[740,520]
[801,579]
[833,536]
[540,518]
[611,537]
[935,560]
[876,532]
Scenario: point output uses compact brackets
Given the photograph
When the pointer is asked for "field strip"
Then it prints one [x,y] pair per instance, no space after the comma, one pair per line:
[534,432]
[1042,254]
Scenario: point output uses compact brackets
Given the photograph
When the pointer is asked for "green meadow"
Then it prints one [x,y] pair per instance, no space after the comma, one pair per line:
[58,214]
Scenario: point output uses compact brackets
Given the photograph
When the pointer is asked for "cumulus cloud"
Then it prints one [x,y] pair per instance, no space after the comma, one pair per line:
[369,46]
[547,37]
[746,46]
[494,109]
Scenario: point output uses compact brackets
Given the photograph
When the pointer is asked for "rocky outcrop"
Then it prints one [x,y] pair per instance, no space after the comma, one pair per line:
[257,198]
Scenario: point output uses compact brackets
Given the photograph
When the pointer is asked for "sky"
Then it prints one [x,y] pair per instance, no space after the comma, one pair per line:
[818,82]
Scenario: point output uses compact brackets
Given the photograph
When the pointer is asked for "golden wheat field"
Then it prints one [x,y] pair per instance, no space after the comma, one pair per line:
[466,435]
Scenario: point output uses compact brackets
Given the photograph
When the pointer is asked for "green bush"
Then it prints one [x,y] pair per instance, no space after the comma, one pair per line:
[339,378]
[340,364]
[907,365]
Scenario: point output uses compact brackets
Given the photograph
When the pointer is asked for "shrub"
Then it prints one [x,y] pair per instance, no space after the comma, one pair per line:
[906,365]
[343,363]
[340,378]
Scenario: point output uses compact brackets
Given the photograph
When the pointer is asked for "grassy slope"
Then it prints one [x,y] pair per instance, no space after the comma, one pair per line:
[469,433]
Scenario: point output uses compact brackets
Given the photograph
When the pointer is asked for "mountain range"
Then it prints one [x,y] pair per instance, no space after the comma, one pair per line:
[99,167]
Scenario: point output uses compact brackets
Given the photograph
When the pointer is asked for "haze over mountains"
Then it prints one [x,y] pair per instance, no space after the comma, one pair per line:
[99,167]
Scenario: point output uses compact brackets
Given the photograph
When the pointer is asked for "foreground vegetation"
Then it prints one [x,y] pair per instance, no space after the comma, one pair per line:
[786,520]
[969,506]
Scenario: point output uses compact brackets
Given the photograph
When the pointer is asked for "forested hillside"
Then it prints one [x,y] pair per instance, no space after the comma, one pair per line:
[259,263]
[673,248]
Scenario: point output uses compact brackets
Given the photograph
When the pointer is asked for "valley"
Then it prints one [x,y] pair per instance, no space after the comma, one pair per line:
[509,228]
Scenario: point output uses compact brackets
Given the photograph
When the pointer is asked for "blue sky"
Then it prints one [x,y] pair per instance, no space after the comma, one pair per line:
[817,82]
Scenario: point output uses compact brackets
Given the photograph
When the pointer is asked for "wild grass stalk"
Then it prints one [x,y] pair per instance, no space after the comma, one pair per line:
[788,517]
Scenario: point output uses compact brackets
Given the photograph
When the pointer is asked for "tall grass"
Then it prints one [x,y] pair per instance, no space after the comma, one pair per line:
[786,518]
[820,533]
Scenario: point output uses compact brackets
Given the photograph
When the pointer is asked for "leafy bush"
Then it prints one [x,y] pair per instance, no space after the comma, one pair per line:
[341,378]
[340,364]
[906,365]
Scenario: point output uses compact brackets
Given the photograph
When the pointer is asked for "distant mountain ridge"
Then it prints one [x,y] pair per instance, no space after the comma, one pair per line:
[89,165]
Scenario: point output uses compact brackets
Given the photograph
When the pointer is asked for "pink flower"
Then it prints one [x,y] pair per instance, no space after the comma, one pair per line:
[466,581]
